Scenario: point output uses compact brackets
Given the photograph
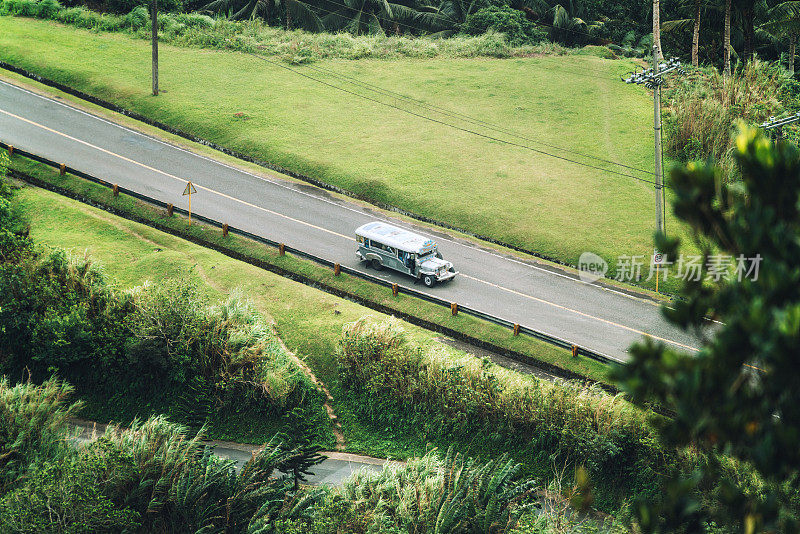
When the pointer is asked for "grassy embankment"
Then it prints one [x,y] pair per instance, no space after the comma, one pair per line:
[499,336]
[554,207]
[309,321]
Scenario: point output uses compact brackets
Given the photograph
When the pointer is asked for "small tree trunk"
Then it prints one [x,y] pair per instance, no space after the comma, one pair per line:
[792,50]
[288,18]
[726,42]
[657,28]
[696,35]
[748,28]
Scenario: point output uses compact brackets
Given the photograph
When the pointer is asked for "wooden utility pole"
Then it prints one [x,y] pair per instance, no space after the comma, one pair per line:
[154,19]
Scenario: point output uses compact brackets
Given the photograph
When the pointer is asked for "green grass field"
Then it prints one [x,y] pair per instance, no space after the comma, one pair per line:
[556,208]
[308,320]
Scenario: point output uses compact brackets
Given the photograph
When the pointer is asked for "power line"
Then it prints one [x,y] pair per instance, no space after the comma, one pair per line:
[467,118]
[443,123]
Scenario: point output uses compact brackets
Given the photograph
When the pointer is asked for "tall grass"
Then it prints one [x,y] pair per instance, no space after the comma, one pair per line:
[441,494]
[397,383]
[705,106]
[295,46]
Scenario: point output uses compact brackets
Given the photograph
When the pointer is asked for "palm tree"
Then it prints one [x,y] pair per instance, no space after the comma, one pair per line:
[695,11]
[784,24]
[657,30]
[726,41]
[696,34]
[297,13]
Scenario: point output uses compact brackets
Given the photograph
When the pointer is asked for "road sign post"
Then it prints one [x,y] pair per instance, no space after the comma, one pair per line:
[189,191]
[658,259]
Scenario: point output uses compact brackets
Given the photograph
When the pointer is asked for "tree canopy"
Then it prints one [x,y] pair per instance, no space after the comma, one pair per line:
[738,395]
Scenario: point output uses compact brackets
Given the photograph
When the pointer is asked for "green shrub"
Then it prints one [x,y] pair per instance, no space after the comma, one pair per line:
[448,494]
[24,8]
[47,9]
[69,15]
[194,20]
[395,383]
[65,495]
[34,422]
[705,106]
[14,242]
[58,312]
[110,23]
[510,22]
[151,477]
[137,19]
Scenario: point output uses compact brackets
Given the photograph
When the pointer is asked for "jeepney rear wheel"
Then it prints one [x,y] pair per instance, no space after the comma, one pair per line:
[428,280]
[376,264]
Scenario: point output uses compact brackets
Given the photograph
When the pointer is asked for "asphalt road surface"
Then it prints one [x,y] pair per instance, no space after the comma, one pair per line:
[538,296]
[332,471]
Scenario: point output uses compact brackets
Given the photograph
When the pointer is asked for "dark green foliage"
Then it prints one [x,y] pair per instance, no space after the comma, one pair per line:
[704,108]
[14,242]
[511,22]
[33,422]
[125,6]
[58,313]
[431,494]
[448,495]
[394,384]
[739,394]
[65,495]
[152,477]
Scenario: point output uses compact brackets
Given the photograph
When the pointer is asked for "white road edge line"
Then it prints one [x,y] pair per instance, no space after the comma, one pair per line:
[293,189]
[158,171]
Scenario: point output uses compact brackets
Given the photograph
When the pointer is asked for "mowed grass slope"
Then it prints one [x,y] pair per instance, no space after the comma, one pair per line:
[549,205]
[309,321]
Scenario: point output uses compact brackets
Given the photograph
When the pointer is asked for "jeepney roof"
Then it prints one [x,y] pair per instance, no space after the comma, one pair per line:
[396,237]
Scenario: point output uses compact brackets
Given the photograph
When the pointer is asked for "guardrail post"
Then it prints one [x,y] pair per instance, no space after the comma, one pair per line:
[170,208]
[116,190]
[574,351]
[10,150]
[454,308]
[282,249]
[225,230]
[395,289]
[62,169]
[337,269]
[516,329]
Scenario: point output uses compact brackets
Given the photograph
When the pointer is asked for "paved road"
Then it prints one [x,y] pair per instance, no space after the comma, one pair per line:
[525,292]
[336,466]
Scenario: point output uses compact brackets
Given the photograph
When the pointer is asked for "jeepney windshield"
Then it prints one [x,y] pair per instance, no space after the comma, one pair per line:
[428,255]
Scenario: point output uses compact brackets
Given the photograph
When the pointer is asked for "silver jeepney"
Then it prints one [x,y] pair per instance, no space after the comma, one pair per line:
[383,245]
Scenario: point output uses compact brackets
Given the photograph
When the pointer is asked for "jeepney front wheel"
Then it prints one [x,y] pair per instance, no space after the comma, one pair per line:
[428,280]
[376,264]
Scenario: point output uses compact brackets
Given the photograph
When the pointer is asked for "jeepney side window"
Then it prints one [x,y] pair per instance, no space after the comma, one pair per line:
[391,251]
[367,243]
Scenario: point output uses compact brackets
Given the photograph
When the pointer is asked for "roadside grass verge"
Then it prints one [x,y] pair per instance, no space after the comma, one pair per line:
[381,154]
[539,352]
[308,320]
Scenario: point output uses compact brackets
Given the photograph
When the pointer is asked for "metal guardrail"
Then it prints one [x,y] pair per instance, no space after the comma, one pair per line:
[516,328]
